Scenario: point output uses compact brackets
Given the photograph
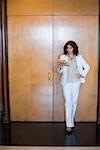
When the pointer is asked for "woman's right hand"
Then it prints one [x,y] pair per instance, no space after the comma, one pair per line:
[61,64]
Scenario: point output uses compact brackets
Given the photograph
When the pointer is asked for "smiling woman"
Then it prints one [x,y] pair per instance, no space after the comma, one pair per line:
[71,80]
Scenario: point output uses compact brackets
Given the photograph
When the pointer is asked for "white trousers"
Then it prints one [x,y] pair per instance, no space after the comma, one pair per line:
[71,93]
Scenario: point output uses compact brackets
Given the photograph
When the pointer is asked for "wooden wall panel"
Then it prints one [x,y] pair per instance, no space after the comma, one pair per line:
[29,7]
[76,7]
[30,60]
[83,30]
[32,41]
[56,7]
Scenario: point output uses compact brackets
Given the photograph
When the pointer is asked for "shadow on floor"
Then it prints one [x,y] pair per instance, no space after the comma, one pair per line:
[49,134]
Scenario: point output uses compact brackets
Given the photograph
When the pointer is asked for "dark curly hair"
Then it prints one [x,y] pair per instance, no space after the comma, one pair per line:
[74,45]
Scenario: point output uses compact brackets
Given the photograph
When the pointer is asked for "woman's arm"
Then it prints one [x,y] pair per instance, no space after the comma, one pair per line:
[86,67]
[60,64]
[59,69]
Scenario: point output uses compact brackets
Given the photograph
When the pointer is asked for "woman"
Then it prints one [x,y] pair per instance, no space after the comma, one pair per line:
[74,69]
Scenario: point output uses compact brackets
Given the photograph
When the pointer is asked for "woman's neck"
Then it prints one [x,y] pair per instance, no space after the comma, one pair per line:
[71,55]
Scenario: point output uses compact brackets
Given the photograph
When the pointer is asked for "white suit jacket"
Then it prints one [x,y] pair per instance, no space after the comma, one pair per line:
[83,68]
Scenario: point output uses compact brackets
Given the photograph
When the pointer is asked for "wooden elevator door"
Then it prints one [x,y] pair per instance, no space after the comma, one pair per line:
[30,61]
[37,32]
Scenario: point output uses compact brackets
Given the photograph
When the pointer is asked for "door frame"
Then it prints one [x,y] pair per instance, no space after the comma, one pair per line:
[1,109]
[5,78]
[98,102]
[5,82]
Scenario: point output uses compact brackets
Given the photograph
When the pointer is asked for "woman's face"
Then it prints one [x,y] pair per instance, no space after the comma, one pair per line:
[69,49]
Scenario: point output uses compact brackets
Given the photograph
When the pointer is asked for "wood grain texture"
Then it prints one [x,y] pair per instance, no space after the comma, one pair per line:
[82,31]
[34,40]
[53,7]
[30,60]
[76,7]
[29,7]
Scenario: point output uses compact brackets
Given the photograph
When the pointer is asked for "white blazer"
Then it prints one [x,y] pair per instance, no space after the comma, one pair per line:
[83,68]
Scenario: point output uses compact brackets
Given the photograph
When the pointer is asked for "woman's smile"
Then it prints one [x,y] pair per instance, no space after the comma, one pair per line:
[69,49]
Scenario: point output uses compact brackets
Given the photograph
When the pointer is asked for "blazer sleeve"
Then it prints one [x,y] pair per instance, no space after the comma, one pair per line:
[85,67]
[59,69]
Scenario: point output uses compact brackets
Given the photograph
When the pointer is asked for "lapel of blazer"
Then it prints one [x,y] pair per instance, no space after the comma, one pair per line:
[79,62]
[77,59]
[79,65]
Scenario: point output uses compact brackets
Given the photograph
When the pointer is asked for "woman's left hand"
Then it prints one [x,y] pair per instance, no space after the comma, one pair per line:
[80,76]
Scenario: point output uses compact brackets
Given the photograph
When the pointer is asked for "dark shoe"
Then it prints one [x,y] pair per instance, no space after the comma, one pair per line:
[68,130]
[73,127]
